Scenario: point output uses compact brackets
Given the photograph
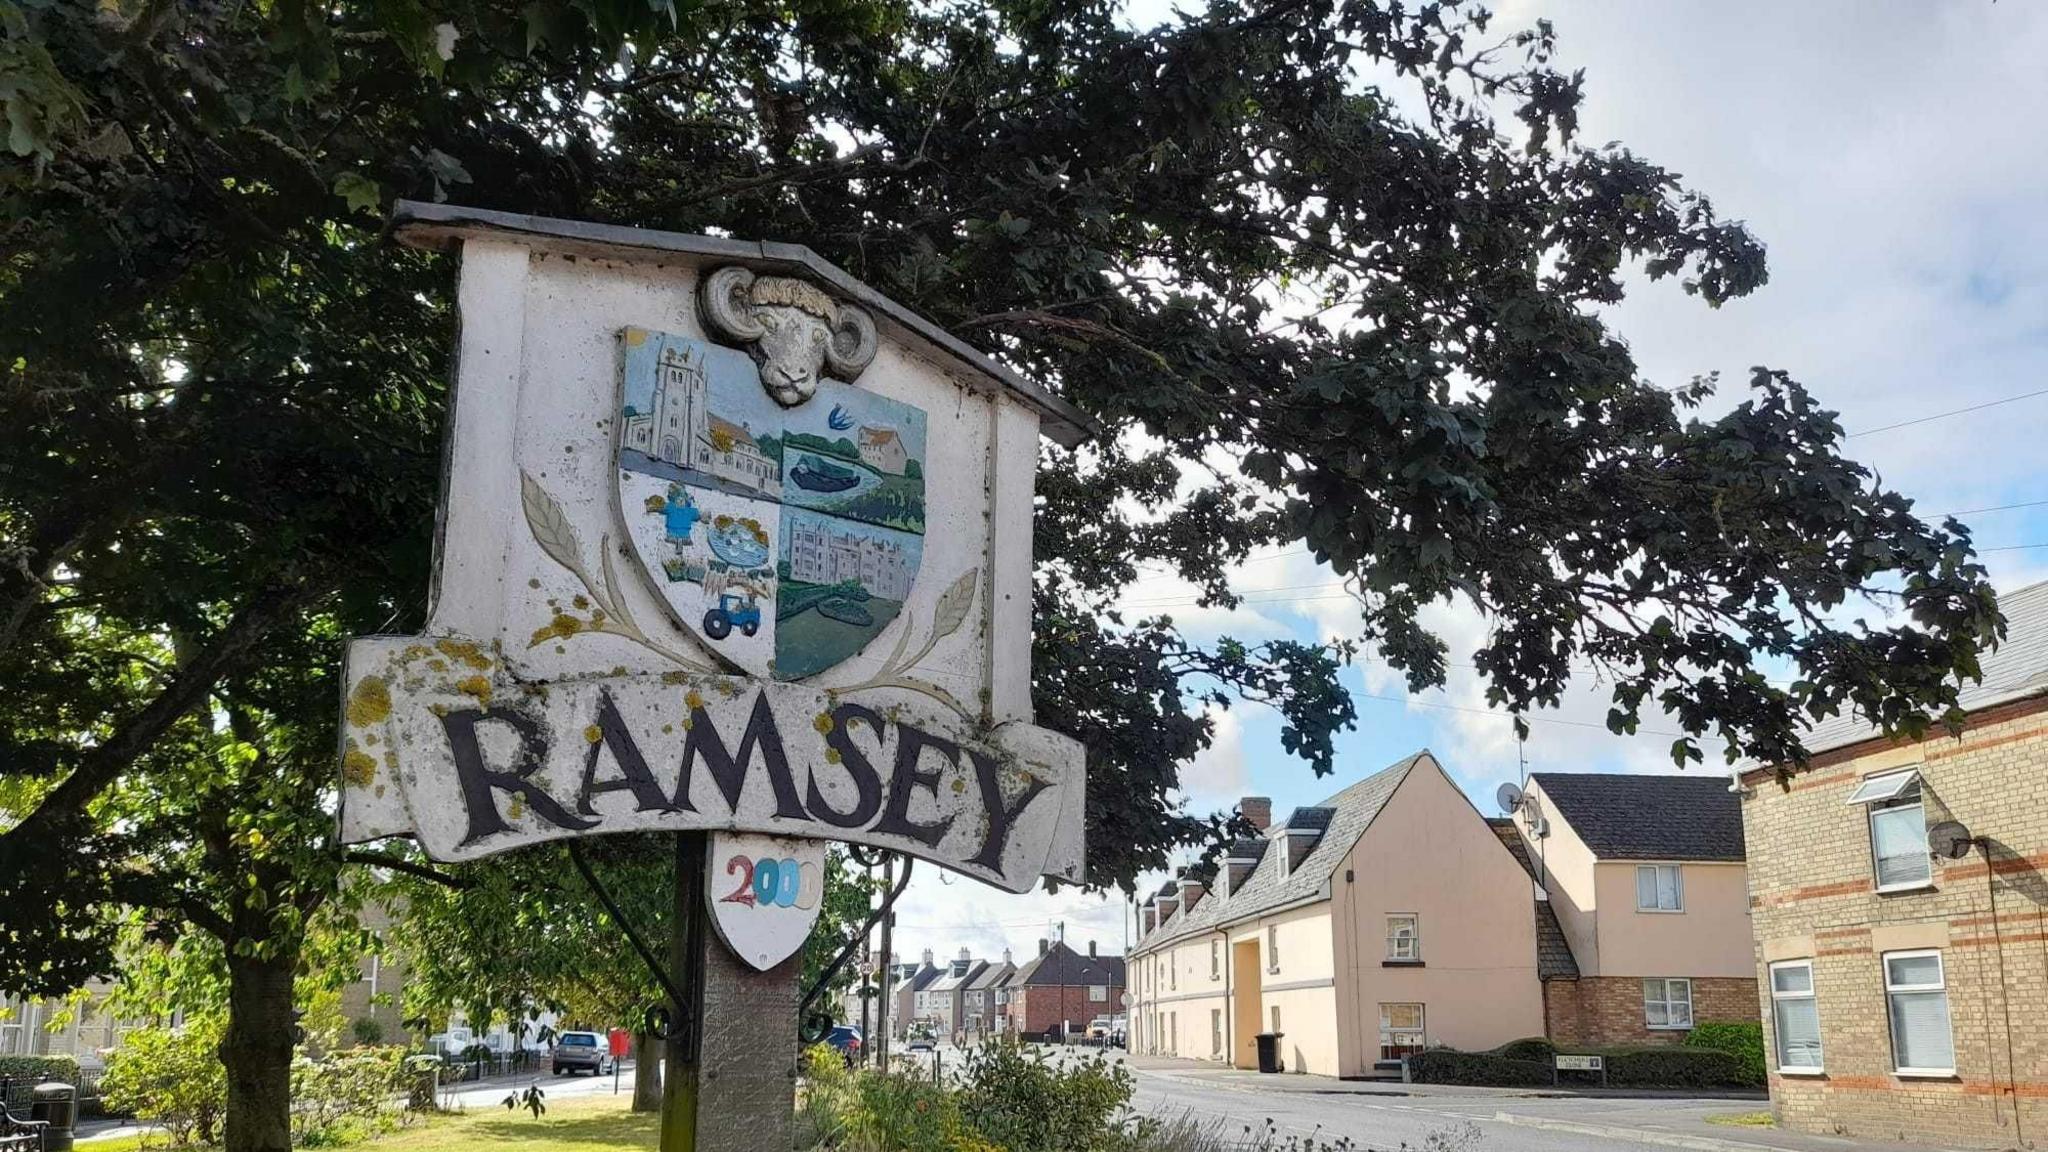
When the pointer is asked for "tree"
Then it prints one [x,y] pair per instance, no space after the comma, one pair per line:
[1302,314]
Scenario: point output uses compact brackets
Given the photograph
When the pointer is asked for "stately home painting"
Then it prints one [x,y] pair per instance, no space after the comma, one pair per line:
[787,538]
[852,453]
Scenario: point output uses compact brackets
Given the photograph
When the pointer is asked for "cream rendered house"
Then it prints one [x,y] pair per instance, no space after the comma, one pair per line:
[1387,918]
[1646,874]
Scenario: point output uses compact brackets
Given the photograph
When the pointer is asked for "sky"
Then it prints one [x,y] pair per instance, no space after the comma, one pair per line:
[1892,156]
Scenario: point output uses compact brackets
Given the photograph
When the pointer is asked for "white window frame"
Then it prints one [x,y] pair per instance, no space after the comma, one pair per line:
[1273,949]
[1216,1032]
[1388,1031]
[1275,1017]
[1777,1030]
[1885,797]
[1408,947]
[1677,888]
[1666,985]
[1215,959]
[1098,993]
[1884,960]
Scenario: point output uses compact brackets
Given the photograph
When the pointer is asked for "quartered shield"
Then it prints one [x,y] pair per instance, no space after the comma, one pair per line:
[786,538]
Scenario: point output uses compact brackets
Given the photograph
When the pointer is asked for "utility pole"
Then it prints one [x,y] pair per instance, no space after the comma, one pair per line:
[888,966]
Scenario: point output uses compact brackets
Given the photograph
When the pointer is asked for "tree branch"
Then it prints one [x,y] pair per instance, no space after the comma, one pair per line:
[409,867]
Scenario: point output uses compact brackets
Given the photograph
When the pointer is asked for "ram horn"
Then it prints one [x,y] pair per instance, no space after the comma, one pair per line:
[727,310]
[853,343]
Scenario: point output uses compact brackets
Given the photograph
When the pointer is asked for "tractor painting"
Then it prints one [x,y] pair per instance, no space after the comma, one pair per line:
[732,612]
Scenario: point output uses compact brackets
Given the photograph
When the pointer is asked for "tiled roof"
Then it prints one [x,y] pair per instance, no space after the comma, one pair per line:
[1247,848]
[1633,817]
[1554,959]
[2016,670]
[991,975]
[920,979]
[1315,818]
[1061,966]
[1352,811]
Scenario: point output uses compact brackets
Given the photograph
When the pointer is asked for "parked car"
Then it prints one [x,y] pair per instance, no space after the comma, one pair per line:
[581,1052]
[848,1040]
[1099,1029]
[922,1040]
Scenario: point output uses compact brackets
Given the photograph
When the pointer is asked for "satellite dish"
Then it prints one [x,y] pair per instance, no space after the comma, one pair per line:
[1950,840]
[1509,798]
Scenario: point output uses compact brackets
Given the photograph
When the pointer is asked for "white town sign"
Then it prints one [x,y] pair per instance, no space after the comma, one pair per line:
[728,542]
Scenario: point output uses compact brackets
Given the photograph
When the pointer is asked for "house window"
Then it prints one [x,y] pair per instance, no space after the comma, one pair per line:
[1898,830]
[1273,948]
[1276,1019]
[1098,993]
[1172,973]
[1916,995]
[1404,941]
[1795,1016]
[1216,1031]
[1215,960]
[1659,888]
[1173,1033]
[1667,1003]
[1400,1030]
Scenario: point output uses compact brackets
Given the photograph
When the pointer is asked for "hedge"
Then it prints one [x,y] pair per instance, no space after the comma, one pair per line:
[1742,1039]
[1536,1048]
[1510,1066]
[1448,1066]
[39,1068]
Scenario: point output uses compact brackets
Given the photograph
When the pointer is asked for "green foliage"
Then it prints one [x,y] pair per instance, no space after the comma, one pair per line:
[1448,1066]
[39,1068]
[172,1078]
[347,1095]
[1742,1039]
[366,1030]
[1677,1067]
[1536,1048]
[1022,1102]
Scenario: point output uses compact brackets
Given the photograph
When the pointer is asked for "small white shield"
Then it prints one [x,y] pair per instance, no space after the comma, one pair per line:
[765,893]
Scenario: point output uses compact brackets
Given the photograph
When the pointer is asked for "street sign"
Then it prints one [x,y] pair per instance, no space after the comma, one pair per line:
[1570,1063]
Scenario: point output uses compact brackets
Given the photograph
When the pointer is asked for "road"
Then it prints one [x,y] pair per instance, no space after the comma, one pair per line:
[1436,1118]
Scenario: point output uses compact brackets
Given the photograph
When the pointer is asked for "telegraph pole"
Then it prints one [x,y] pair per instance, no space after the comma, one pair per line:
[888,988]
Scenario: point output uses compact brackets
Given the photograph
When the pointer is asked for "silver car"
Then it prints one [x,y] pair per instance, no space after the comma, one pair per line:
[581,1052]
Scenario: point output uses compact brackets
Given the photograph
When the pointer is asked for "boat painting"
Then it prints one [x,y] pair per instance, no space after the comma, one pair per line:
[819,475]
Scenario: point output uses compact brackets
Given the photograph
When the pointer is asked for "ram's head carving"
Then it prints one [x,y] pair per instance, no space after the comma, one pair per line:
[792,328]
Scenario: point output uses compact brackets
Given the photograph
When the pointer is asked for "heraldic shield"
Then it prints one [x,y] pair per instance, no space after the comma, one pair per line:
[786,537]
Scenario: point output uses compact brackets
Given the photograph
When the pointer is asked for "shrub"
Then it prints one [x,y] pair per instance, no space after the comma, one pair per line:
[1022,1102]
[173,1078]
[1447,1066]
[367,1030]
[39,1068]
[1534,1048]
[1673,1067]
[346,1096]
[1742,1039]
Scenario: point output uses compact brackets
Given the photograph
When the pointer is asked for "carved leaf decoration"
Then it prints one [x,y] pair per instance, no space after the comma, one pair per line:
[952,610]
[615,596]
[550,526]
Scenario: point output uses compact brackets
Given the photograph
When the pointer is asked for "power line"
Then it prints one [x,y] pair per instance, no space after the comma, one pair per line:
[1946,415]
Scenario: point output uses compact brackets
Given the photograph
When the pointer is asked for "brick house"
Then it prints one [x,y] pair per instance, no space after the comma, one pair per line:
[1645,876]
[1061,987]
[1900,907]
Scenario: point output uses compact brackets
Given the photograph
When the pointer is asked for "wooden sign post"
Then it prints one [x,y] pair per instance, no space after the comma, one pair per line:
[733,547]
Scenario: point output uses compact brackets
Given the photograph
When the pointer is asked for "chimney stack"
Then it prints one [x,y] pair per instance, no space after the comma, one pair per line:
[1091,949]
[1043,946]
[1006,955]
[1258,810]
[927,957]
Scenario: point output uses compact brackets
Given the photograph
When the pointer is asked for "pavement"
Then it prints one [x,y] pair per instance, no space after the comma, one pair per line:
[1390,1115]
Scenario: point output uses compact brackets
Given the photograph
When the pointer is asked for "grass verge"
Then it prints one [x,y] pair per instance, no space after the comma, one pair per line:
[1743,1119]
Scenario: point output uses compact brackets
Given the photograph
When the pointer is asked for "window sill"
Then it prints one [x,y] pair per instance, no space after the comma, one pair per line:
[1924,1073]
[1809,1072]
[1401,964]
[1905,889]
[1661,911]
[1668,1027]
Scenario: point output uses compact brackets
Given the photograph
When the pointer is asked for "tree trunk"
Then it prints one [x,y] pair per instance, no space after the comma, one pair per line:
[258,1053]
[647,1056]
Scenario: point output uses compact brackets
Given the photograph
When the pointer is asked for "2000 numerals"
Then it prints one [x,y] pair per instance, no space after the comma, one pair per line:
[771,883]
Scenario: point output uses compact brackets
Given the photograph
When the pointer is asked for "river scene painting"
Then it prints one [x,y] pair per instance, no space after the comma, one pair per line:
[851,453]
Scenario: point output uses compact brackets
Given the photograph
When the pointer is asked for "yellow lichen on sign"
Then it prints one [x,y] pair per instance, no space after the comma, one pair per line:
[358,768]
[476,686]
[370,703]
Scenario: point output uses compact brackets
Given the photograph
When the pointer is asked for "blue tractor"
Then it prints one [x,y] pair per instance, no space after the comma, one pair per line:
[732,611]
